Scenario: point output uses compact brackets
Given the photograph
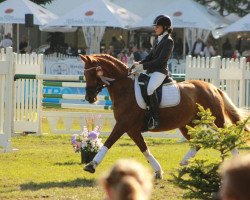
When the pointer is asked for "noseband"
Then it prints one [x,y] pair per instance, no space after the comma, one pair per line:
[94,90]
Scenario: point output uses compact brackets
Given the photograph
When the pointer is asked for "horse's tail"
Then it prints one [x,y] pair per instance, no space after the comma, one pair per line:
[235,114]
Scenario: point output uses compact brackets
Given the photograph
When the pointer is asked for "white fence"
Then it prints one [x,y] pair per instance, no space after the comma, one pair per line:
[232,76]
[20,101]
[6,98]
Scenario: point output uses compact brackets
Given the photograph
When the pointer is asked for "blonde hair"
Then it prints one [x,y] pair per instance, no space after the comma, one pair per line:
[129,180]
[236,177]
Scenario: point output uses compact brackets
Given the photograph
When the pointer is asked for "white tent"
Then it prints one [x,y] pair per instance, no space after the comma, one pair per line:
[13,12]
[241,25]
[196,19]
[61,7]
[97,13]
[185,14]
[94,16]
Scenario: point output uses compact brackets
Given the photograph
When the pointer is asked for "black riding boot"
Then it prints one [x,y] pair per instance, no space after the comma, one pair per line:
[154,120]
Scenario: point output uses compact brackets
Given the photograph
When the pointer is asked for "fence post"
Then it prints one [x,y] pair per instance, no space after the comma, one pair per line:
[9,117]
[242,89]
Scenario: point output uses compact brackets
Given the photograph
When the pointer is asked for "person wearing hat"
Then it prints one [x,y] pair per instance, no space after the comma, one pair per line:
[155,64]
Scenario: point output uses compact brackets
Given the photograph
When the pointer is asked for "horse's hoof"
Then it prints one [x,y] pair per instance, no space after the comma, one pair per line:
[90,167]
[159,174]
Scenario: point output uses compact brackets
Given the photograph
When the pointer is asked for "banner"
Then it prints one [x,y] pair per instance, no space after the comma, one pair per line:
[67,66]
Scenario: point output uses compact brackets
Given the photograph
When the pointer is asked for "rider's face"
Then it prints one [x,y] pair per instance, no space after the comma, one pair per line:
[158,30]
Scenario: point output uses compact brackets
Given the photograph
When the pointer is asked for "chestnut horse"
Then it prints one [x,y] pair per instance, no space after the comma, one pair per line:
[102,69]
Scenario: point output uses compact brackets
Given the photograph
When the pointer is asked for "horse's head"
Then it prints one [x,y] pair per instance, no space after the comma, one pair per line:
[101,69]
[92,72]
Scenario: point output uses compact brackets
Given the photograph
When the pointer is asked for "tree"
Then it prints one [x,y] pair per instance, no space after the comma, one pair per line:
[225,7]
[40,2]
[201,177]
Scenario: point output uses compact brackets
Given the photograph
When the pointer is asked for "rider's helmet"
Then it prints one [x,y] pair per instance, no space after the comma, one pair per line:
[163,20]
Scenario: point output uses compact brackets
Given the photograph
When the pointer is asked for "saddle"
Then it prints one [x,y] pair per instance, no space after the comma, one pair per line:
[143,80]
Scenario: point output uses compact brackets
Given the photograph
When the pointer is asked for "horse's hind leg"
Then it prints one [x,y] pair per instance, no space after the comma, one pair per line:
[192,151]
[139,141]
[219,122]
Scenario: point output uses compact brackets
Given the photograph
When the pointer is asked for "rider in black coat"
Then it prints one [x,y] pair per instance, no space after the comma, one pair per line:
[155,64]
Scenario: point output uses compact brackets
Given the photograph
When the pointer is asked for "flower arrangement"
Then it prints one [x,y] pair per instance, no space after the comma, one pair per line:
[88,142]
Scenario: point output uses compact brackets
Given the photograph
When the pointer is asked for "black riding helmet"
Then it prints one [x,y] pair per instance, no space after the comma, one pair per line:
[163,20]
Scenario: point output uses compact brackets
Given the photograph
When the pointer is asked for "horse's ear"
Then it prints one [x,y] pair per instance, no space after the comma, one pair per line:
[85,58]
[99,71]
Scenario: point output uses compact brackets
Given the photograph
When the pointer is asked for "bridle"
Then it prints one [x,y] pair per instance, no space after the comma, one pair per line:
[103,81]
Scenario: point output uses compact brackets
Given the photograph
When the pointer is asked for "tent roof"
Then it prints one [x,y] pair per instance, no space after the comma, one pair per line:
[186,14]
[241,25]
[13,12]
[61,7]
[97,13]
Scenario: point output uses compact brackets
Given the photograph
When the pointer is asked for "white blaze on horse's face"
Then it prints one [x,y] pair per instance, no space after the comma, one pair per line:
[91,73]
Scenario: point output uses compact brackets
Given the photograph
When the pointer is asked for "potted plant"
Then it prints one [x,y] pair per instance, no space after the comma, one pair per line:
[88,142]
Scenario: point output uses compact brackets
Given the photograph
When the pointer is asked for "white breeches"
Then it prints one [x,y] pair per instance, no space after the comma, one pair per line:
[155,81]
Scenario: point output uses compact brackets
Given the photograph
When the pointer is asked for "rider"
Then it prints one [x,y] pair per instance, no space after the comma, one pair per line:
[155,64]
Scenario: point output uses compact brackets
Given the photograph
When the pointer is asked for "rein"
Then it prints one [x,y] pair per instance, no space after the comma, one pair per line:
[109,81]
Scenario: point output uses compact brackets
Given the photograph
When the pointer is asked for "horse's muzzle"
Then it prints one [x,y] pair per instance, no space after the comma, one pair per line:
[90,99]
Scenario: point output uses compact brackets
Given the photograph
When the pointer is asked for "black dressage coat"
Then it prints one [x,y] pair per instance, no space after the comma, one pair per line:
[156,60]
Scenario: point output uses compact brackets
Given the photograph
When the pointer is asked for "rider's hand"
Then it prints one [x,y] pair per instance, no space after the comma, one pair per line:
[136,63]
[138,67]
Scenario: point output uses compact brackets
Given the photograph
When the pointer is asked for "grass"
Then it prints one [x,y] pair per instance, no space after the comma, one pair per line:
[46,167]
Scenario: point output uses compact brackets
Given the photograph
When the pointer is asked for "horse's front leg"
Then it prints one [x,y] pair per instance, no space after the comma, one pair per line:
[136,136]
[117,132]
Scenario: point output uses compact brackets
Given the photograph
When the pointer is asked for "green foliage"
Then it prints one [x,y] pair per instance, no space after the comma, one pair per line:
[206,134]
[200,177]
[241,7]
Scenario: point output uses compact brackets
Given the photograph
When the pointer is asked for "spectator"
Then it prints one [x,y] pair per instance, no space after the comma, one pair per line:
[6,42]
[136,54]
[227,49]
[236,179]
[209,50]
[143,53]
[23,45]
[117,45]
[147,45]
[236,54]
[123,56]
[178,48]
[127,180]
[110,51]
[198,47]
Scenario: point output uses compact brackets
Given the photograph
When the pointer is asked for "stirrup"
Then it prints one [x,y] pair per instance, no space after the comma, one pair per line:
[153,123]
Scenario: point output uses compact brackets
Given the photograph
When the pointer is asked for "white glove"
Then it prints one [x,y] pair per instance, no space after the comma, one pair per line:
[139,67]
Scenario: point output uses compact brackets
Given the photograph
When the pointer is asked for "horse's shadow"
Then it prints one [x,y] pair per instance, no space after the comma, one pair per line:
[79,182]
[68,163]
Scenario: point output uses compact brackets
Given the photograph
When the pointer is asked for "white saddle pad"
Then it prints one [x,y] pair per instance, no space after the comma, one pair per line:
[170,95]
